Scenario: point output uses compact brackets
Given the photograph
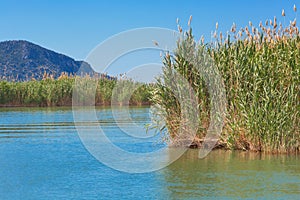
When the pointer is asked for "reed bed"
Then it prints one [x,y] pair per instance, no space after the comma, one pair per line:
[58,92]
[260,68]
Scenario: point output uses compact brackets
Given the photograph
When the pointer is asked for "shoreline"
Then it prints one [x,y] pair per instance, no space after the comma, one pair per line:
[70,105]
[250,151]
[224,147]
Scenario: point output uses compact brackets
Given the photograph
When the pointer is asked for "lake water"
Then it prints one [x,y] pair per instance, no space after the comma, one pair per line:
[42,157]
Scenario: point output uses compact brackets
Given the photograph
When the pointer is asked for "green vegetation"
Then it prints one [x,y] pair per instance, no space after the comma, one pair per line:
[58,92]
[260,68]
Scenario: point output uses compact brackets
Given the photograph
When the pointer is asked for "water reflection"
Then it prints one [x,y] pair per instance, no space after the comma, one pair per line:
[227,175]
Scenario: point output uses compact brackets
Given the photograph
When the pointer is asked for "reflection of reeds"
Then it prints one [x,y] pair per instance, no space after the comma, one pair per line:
[58,92]
[261,72]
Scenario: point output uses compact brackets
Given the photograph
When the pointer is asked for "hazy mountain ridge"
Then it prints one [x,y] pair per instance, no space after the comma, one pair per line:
[21,60]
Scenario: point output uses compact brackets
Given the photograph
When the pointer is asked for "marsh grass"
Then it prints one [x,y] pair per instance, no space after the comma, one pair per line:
[260,68]
[58,92]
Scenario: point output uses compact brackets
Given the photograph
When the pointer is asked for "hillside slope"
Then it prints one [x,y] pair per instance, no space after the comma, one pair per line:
[22,60]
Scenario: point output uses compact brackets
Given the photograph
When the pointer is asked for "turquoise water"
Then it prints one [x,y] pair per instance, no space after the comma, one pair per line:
[42,157]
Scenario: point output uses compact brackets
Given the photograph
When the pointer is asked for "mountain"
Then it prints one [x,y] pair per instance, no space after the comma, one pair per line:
[22,60]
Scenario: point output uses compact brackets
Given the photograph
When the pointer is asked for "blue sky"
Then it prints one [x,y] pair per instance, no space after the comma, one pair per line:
[75,27]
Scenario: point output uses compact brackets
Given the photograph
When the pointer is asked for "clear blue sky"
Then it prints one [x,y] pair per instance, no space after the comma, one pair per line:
[75,27]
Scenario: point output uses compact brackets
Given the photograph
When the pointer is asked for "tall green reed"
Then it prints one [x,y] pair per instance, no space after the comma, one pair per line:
[260,68]
[59,92]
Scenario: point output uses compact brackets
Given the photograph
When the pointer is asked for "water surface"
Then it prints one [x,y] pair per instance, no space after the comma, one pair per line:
[42,157]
